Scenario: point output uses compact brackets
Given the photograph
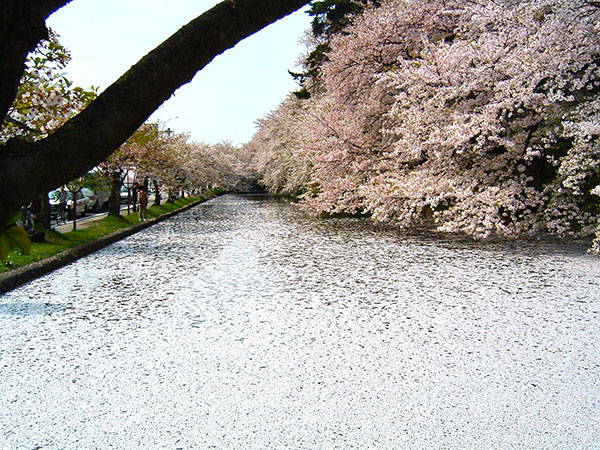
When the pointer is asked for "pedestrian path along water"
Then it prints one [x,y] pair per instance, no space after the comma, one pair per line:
[242,323]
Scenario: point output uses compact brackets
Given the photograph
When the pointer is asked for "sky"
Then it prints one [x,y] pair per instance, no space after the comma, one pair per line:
[223,100]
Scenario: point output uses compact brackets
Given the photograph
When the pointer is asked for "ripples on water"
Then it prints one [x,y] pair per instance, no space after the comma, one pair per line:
[244,324]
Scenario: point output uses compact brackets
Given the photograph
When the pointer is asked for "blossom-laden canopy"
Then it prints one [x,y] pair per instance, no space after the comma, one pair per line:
[482,116]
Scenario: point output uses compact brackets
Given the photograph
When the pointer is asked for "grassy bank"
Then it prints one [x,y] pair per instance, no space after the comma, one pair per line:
[56,242]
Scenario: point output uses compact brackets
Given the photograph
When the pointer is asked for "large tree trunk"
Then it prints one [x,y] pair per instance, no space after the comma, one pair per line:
[114,200]
[44,218]
[29,168]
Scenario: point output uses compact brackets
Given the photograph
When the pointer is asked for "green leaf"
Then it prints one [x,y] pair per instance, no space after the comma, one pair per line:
[20,238]
[13,236]
[4,248]
[11,219]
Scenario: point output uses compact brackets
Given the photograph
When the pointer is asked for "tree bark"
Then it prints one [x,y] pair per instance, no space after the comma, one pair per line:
[29,168]
[114,200]
[45,218]
[156,193]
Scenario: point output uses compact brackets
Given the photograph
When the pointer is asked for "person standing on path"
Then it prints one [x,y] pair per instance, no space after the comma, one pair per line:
[134,194]
[62,205]
[143,203]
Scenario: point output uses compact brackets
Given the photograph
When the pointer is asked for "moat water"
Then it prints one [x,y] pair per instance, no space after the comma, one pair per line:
[242,323]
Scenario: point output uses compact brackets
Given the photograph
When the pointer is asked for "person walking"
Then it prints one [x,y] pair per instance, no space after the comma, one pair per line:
[27,218]
[143,203]
[62,205]
[134,194]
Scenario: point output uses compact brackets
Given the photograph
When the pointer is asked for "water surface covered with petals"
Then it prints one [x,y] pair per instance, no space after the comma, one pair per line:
[244,324]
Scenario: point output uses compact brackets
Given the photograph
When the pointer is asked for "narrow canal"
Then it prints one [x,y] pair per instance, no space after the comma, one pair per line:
[244,324]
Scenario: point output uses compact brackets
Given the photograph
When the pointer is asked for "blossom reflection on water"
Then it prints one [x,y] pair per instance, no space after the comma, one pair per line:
[244,324]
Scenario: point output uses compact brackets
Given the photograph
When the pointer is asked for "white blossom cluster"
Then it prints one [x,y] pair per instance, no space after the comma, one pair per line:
[45,98]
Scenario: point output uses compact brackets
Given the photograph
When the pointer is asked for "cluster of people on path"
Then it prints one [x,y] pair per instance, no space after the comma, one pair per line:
[28,213]
[32,209]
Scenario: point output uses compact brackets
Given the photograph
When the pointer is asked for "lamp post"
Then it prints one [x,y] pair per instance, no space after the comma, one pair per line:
[128,182]
[75,188]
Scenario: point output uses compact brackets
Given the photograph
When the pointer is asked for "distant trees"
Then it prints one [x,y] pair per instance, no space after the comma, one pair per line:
[281,158]
[174,165]
[481,116]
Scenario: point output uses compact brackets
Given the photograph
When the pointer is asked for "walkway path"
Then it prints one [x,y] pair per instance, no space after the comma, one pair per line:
[83,222]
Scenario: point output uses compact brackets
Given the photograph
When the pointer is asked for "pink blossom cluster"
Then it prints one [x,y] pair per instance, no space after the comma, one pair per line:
[480,117]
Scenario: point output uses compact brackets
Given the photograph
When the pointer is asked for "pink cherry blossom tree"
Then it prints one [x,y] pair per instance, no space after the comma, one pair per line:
[279,151]
[479,117]
[499,116]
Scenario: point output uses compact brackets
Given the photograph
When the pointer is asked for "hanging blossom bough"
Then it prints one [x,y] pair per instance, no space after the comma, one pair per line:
[45,97]
[276,153]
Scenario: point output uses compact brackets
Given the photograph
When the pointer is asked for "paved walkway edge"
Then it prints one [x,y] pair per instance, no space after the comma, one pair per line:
[16,277]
